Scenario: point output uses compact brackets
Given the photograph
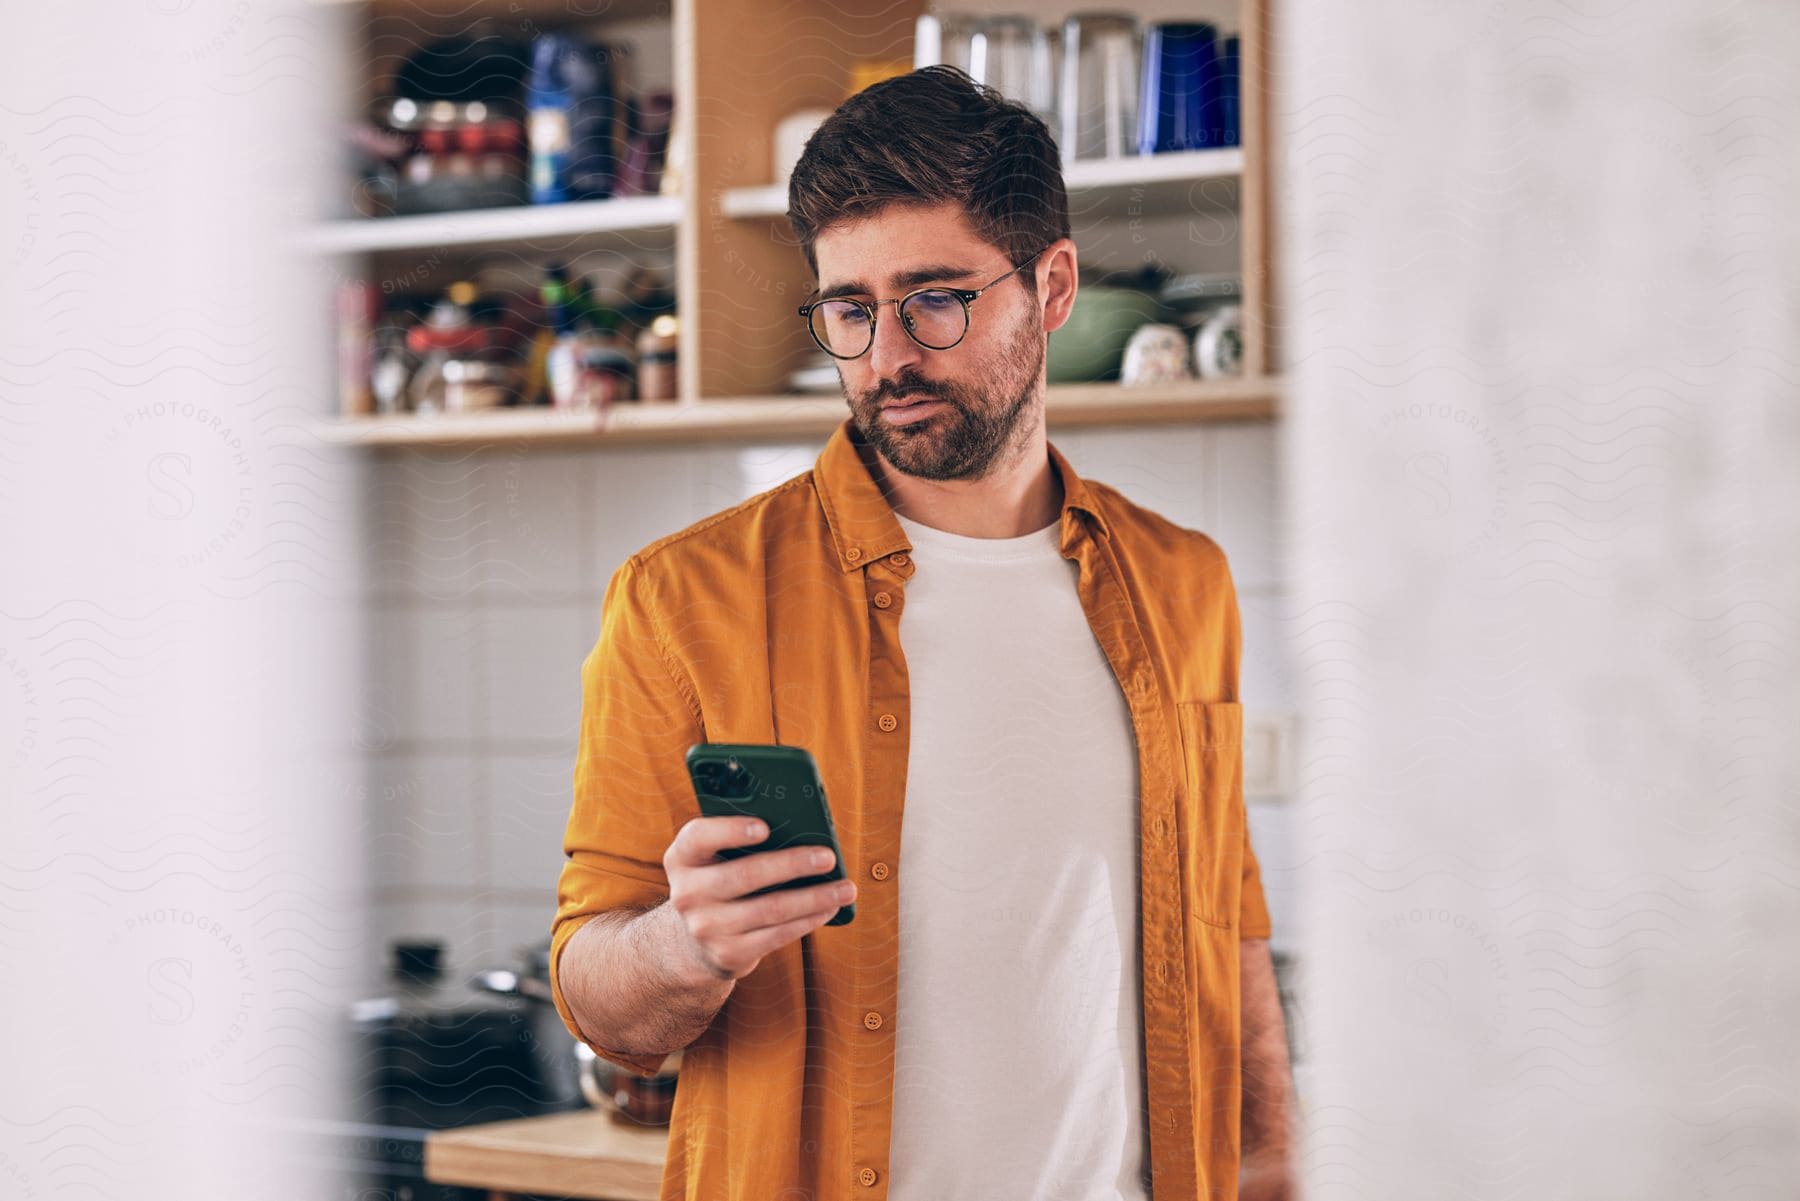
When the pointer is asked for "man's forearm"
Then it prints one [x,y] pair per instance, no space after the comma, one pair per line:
[632,986]
[1267,1105]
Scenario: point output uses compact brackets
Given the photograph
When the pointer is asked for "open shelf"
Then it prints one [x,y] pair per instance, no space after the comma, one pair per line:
[460,12]
[1090,183]
[736,272]
[1129,171]
[578,219]
[764,418]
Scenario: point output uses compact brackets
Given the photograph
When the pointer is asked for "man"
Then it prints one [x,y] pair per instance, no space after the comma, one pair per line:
[1057,983]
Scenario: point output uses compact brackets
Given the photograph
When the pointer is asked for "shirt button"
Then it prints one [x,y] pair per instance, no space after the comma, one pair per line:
[888,722]
[898,558]
[883,600]
[1160,826]
[872,1020]
[853,554]
[867,1176]
[1162,968]
[878,870]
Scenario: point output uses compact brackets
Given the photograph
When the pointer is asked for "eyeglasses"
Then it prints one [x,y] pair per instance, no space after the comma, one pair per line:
[935,318]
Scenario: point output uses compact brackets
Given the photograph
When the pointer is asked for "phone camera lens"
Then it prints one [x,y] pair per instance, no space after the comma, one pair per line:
[735,781]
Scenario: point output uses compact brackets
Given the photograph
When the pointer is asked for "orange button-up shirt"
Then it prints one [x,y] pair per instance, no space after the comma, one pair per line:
[778,620]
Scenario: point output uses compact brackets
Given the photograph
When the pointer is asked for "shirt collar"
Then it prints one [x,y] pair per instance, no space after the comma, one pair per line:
[863,526]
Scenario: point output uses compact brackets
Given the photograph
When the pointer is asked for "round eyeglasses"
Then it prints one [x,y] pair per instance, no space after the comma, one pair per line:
[935,318]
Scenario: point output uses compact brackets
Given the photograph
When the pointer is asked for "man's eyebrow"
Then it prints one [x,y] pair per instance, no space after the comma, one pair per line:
[904,281]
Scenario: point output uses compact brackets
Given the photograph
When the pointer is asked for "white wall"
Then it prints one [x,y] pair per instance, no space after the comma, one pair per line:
[1541,459]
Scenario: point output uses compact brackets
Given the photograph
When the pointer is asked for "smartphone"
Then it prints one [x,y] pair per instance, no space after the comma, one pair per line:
[779,785]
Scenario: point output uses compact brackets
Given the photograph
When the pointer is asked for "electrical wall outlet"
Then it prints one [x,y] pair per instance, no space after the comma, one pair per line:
[1268,747]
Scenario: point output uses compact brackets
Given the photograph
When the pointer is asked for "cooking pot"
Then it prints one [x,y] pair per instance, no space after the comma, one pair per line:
[552,1048]
[432,1054]
[570,1068]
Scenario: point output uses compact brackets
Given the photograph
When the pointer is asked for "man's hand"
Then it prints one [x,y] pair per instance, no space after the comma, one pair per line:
[1267,1177]
[726,931]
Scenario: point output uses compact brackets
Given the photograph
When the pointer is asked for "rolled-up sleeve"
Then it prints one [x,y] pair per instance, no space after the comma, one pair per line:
[632,793]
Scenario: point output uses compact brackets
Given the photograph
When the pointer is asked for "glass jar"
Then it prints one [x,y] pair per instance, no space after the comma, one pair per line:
[656,367]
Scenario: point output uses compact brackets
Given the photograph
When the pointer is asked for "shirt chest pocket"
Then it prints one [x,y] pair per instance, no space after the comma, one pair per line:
[1211,813]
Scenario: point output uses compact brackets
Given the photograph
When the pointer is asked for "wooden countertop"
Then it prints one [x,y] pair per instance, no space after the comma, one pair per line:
[583,1153]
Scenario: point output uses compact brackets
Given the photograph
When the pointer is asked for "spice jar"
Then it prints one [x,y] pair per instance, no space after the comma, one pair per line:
[656,374]
[606,376]
[459,369]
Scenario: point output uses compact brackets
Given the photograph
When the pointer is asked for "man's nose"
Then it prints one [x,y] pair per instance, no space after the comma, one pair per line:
[893,350]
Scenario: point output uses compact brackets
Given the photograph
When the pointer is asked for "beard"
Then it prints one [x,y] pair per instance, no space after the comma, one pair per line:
[980,420]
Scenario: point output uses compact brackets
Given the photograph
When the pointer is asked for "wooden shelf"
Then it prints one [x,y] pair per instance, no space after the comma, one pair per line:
[766,418]
[1092,175]
[581,219]
[1090,183]
[464,11]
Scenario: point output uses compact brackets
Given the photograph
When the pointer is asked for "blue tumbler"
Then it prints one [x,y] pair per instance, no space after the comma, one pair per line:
[1230,87]
[1181,106]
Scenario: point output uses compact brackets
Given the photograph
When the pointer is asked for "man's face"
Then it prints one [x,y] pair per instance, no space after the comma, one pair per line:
[936,414]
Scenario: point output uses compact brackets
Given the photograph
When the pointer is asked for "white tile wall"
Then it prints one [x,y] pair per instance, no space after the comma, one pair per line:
[527,808]
[1163,468]
[524,520]
[424,808]
[418,543]
[488,569]
[528,664]
[435,650]
[1240,486]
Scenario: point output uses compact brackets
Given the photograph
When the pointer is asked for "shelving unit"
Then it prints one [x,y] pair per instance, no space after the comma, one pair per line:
[735,71]
[752,418]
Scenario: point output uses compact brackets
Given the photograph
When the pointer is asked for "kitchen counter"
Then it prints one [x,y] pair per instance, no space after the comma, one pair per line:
[583,1153]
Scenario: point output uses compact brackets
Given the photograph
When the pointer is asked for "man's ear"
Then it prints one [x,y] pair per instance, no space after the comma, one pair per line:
[1057,281]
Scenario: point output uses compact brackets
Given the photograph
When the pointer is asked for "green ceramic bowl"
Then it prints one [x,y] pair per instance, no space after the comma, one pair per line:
[1091,344]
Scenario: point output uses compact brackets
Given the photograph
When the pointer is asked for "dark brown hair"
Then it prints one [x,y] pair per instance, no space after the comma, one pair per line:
[926,137]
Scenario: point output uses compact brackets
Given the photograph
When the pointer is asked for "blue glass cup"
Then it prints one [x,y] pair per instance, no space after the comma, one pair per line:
[1227,101]
[1182,104]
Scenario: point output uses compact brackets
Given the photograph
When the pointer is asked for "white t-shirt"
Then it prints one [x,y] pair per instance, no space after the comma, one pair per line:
[1019,1040]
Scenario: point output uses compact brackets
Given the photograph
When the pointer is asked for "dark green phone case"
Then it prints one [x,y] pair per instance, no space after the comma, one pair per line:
[781,786]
